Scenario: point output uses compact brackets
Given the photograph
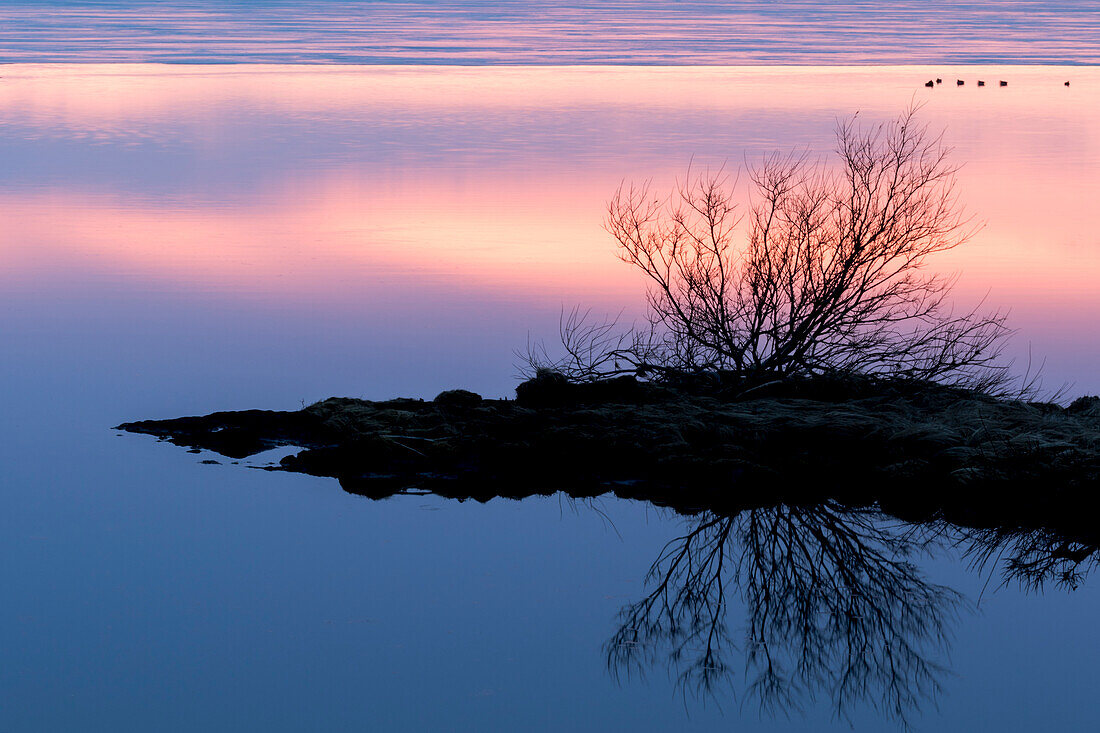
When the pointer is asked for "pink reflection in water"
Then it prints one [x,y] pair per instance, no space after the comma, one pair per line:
[338,187]
[555,31]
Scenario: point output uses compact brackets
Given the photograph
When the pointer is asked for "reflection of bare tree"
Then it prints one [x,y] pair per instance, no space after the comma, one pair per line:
[1033,557]
[833,607]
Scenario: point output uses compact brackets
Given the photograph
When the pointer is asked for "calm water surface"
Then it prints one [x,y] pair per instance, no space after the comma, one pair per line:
[176,240]
[553,31]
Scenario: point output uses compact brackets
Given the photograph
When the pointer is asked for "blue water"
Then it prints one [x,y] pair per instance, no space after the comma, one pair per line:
[145,590]
[517,31]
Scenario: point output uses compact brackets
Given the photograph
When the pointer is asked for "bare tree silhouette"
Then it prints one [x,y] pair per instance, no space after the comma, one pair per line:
[826,272]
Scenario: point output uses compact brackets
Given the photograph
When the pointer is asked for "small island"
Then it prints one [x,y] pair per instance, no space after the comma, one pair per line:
[907,446]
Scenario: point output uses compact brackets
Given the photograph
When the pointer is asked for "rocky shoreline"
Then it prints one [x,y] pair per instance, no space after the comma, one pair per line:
[914,448]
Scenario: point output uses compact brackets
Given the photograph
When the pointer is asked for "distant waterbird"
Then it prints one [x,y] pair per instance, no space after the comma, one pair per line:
[1067,83]
[929,83]
[1004,83]
[959,82]
[981,83]
[939,81]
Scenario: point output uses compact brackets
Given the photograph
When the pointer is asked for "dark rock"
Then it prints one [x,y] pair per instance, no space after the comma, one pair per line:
[546,388]
[550,389]
[458,398]
[233,434]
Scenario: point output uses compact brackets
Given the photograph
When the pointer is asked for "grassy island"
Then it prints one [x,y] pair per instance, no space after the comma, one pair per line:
[908,446]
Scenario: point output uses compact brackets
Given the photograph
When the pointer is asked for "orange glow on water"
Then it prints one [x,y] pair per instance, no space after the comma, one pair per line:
[329,245]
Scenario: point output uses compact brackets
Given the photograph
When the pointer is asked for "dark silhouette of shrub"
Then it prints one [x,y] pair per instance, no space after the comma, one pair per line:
[826,272]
